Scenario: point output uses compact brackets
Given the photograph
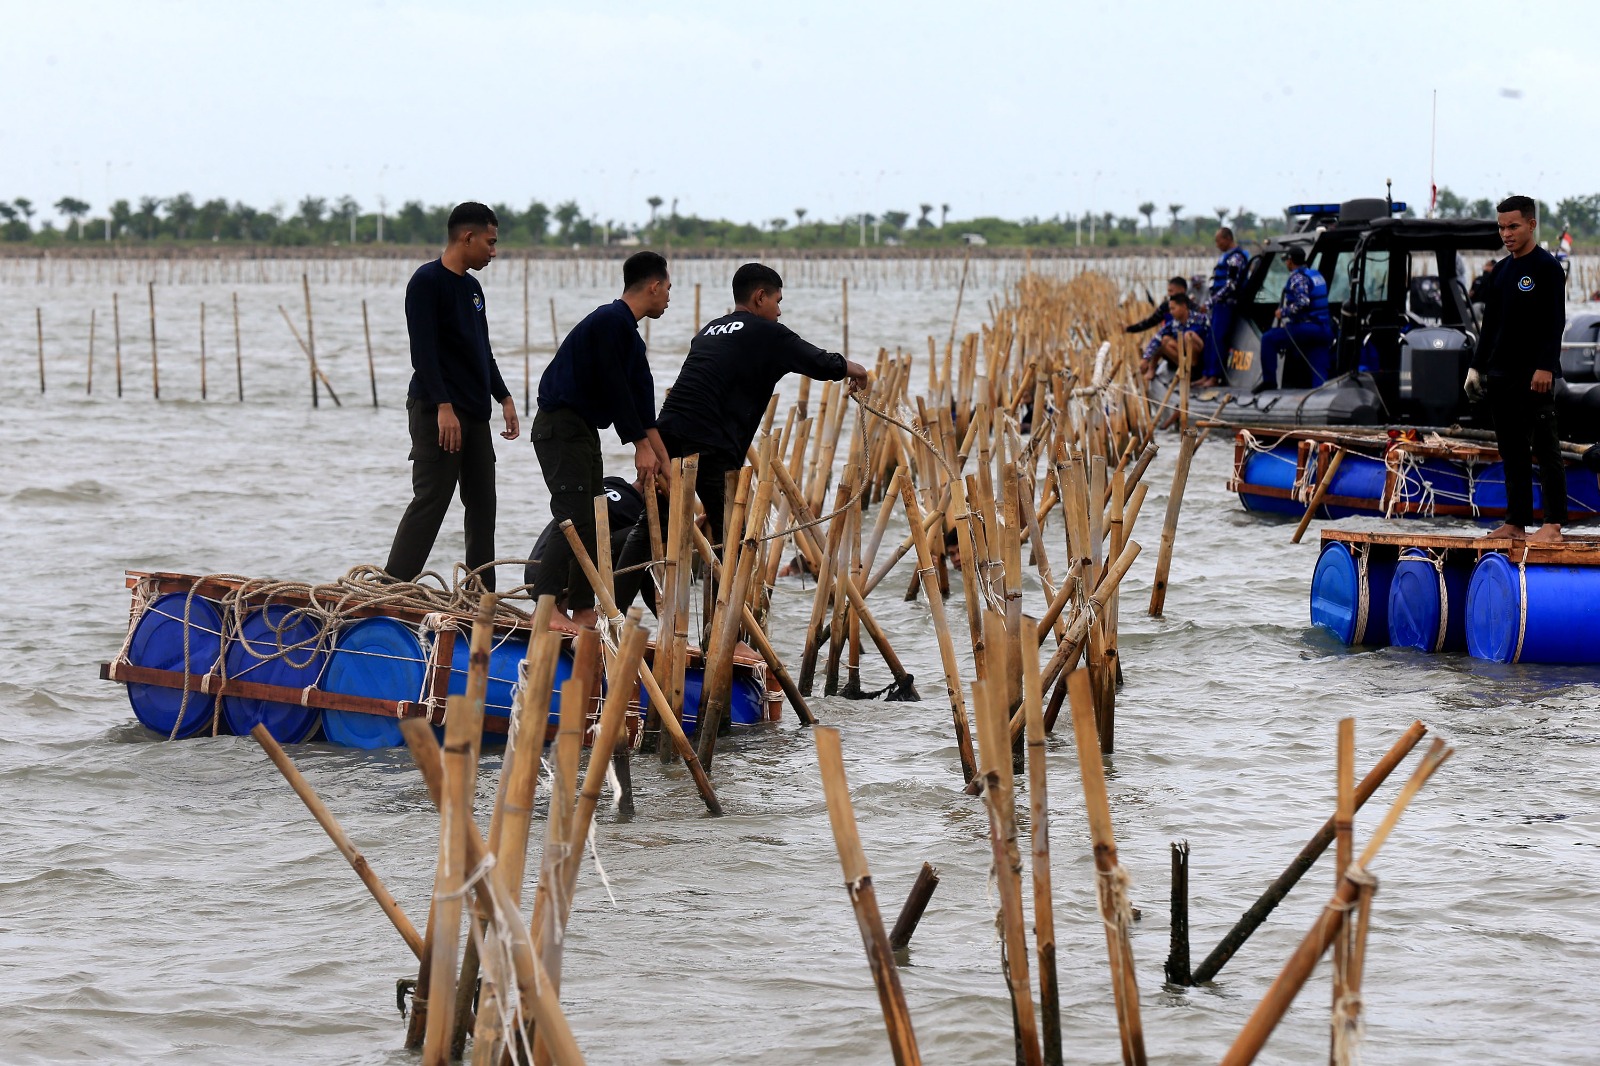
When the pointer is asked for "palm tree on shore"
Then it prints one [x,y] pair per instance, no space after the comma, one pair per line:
[1148,210]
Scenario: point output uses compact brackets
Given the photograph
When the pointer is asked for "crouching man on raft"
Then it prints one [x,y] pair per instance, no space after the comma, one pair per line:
[715,407]
[1518,359]
[448,404]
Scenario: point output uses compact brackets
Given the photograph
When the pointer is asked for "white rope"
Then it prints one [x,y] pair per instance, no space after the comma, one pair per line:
[1363,593]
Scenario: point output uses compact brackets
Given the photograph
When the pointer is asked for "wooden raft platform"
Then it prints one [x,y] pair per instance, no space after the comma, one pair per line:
[1576,550]
[448,627]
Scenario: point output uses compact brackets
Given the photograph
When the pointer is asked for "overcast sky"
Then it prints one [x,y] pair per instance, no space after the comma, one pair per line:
[750,110]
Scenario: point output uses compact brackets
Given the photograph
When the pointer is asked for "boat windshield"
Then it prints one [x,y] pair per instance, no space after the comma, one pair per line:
[1271,290]
[1374,287]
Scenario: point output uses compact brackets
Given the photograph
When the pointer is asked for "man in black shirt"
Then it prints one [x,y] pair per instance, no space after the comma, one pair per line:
[599,378]
[448,403]
[715,407]
[1176,286]
[1516,365]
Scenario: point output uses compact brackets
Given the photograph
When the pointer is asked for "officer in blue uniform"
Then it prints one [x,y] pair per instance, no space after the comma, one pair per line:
[1304,327]
[1186,325]
[1227,278]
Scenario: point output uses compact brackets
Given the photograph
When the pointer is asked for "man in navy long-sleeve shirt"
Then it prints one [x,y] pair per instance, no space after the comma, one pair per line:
[599,377]
[715,407]
[1519,353]
[449,403]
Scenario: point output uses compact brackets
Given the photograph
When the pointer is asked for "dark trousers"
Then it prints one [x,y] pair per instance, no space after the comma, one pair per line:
[435,475]
[1214,361]
[1307,341]
[569,457]
[1525,430]
[709,484]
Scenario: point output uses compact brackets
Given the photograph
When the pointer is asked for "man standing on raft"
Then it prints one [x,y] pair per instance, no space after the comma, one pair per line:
[599,378]
[448,403]
[1516,366]
[715,407]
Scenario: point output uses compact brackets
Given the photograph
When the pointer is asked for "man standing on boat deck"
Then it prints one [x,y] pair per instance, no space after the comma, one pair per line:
[715,407]
[448,404]
[1227,278]
[599,378]
[1518,360]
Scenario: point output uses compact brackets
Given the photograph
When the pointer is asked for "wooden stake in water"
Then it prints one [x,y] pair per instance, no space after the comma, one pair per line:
[555,339]
[844,305]
[203,349]
[697,321]
[1110,879]
[88,382]
[311,338]
[155,365]
[38,322]
[864,899]
[238,349]
[1044,921]
[1169,529]
[372,369]
[527,345]
[1328,923]
[116,340]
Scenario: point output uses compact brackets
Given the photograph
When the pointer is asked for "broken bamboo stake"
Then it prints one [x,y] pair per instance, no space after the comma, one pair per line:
[864,899]
[905,926]
[1169,529]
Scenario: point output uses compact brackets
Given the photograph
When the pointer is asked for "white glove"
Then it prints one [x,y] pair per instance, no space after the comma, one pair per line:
[1474,387]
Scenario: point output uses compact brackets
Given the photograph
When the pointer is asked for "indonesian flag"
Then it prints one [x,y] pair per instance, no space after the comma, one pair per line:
[1566,241]
[1433,199]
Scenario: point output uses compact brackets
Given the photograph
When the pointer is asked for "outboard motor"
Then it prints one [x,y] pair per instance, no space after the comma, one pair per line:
[1433,365]
[1578,393]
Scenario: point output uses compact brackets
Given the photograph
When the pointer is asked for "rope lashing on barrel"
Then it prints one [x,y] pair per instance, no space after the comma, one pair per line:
[1436,557]
[1363,593]
[1522,603]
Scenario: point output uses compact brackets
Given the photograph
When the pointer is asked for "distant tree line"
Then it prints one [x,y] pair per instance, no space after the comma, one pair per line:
[318,221]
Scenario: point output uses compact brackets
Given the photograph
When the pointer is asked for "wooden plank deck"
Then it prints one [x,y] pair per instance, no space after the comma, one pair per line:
[1576,550]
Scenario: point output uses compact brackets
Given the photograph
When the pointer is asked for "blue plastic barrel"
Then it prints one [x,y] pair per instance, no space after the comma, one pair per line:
[1489,490]
[1433,484]
[1359,477]
[505,657]
[158,645]
[1353,606]
[380,658]
[1583,491]
[252,658]
[1274,470]
[749,706]
[1428,604]
[1558,621]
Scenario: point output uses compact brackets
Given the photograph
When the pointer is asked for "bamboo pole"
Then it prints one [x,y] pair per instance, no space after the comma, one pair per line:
[1264,1019]
[652,689]
[916,904]
[88,382]
[1044,922]
[316,371]
[514,810]
[1177,968]
[1169,529]
[941,630]
[1109,880]
[238,349]
[534,987]
[116,339]
[555,338]
[311,338]
[463,724]
[38,323]
[1263,906]
[1343,850]
[527,345]
[1323,484]
[864,899]
[994,749]
[697,307]
[203,350]
[372,369]
[336,833]
[155,363]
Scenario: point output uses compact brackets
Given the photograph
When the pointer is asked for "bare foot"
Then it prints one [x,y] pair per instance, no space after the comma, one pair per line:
[1549,533]
[586,616]
[562,624]
[1504,531]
